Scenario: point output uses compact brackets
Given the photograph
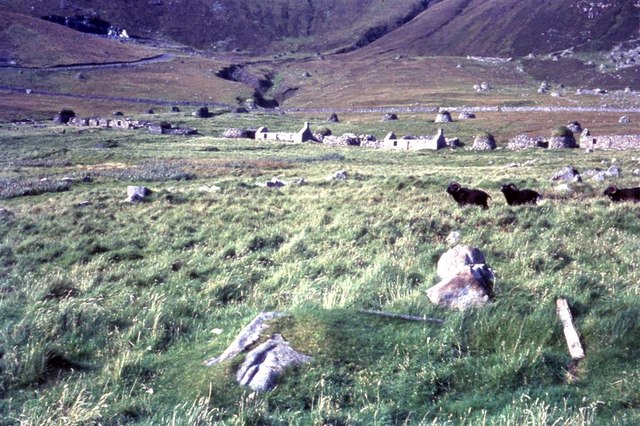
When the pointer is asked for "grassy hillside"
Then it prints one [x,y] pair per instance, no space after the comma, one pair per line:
[32,42]
[108,309]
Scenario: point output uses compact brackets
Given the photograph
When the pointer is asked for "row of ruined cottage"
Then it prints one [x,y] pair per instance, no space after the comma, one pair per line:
[481,142]
[162,128]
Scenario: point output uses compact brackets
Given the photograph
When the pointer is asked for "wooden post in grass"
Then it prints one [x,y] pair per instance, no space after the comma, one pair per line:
[570,333]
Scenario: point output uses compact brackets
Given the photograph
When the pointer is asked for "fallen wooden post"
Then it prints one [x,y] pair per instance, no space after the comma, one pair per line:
[570,333]
[402,316]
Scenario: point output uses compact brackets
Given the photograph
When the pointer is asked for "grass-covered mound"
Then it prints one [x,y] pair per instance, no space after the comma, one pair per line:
[108,309]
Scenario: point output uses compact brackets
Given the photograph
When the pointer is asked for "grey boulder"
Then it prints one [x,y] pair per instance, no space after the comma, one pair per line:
[469,287]
[264,364]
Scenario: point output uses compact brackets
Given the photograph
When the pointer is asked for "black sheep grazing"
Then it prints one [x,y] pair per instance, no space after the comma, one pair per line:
[623,194]
[465,196]
[516,197]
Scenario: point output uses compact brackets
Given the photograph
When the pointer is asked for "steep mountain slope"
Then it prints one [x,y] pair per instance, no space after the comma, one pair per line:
[419,27]
[260,26]
[514,28]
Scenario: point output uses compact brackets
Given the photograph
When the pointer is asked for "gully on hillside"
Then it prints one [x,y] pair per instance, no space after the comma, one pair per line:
[261,85]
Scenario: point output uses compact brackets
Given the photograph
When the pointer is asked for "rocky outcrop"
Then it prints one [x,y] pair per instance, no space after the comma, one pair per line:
[265,363]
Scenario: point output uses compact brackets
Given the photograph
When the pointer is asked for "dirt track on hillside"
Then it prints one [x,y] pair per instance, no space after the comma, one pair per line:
[165,57]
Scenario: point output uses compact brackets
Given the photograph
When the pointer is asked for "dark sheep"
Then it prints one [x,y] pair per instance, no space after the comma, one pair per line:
[623,194]
[465,196]
[516,197]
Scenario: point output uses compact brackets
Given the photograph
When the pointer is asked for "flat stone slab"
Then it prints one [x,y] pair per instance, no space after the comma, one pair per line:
[247,337]
[264,364]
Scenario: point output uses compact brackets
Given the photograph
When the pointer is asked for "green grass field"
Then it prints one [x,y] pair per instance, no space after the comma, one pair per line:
[108,309]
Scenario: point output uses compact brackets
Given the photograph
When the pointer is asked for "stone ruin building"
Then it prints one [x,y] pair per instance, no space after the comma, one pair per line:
[303,135]
[614,142]
[435,143]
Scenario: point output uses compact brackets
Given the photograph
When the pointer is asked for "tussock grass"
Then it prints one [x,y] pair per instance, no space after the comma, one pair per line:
[107,309]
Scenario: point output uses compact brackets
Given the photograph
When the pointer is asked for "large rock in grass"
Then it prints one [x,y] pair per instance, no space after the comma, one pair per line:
[455,259]
[137,194]
[443,117]
[265,363]
[470,286]
[339,175]
[614,171]
[247,337]
[466,279]
[567,174]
